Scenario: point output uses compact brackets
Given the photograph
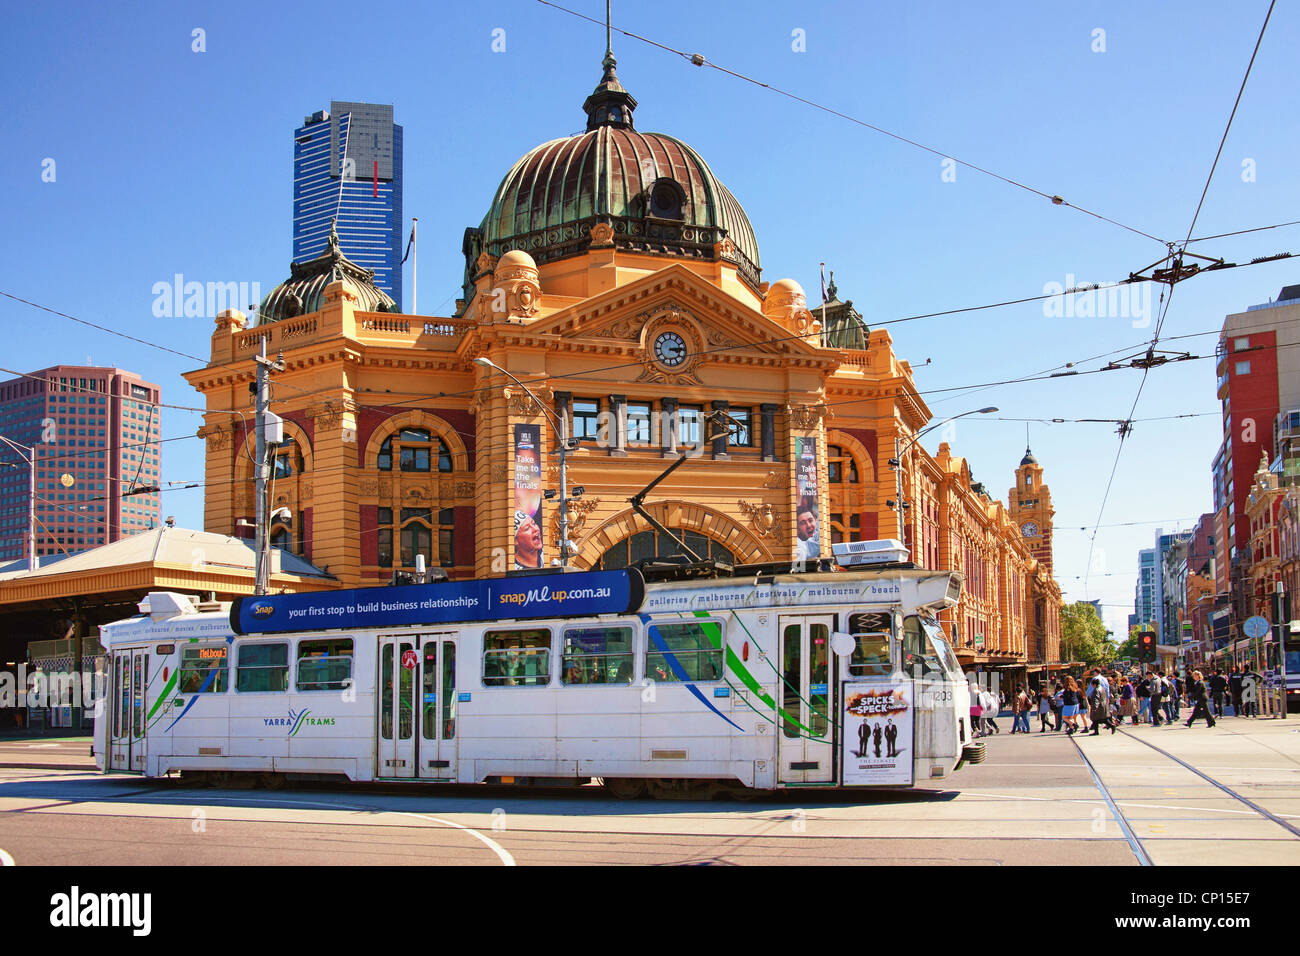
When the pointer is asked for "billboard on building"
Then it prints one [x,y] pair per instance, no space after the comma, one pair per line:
[808,512]
[528,496]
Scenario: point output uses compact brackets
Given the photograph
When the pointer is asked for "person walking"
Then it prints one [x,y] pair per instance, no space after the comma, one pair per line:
[1100,702]
[989,700]
[1157,691]
[1128,702]
[1058,705]
[976,709]
[1070,705]
[1218,684]
[1234,688]
[1020,712]
[1175,698]
[1198,697]
[1044,708]
[1144,699]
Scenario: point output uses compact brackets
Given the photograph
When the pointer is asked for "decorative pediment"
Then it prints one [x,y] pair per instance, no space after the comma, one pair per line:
[724,323]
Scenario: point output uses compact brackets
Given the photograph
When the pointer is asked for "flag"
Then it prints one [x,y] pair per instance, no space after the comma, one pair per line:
[825,298]
[409,242]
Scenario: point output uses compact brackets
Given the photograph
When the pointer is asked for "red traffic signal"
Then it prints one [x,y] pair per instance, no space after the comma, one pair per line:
[1147,647]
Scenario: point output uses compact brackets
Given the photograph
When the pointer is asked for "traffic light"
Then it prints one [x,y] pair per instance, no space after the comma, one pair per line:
[1147,647]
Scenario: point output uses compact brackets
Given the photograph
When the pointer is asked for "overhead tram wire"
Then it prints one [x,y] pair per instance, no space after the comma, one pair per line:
[102,328]
[699,60]
[1173,284]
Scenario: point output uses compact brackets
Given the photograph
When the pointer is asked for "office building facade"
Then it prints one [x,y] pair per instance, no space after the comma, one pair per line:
[347,169]
[95,432]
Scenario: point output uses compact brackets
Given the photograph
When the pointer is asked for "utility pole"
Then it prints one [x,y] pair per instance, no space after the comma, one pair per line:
[262,566]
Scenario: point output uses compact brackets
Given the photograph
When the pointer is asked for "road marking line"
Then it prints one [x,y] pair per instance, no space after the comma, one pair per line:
[497,848]
[502,854]
[6,859]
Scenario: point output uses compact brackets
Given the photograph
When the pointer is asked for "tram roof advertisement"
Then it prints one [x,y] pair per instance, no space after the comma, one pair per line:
[878,733]
[578,594]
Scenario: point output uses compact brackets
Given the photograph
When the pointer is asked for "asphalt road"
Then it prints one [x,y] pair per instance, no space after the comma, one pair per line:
[1036,799]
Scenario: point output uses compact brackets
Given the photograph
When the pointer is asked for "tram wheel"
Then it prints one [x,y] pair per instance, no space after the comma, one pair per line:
[624,788]
[218,778]
[272,781]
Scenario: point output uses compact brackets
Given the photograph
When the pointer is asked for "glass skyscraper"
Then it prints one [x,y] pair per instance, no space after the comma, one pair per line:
[96,435]
[347,166]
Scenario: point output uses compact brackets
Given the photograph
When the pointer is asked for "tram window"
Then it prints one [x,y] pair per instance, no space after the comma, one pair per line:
[519,658]
[919,657]
[871,648]
[325,665]
[597,655]
[691,650]
[202,670]
[262,667]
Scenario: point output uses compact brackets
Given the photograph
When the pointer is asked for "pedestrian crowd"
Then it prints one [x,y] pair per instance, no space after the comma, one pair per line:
[1104,699]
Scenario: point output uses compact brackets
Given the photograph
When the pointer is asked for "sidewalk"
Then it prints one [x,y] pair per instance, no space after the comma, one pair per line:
[46,753]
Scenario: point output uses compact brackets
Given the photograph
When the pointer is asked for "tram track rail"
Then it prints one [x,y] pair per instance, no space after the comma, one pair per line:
[1130,834]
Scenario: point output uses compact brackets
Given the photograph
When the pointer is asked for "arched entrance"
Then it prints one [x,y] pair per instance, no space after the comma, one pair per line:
[627,537]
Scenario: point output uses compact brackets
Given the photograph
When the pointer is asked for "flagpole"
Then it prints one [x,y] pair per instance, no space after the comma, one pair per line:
[414,295]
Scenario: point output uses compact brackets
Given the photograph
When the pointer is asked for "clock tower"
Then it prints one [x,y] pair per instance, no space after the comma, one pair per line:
[1030,506]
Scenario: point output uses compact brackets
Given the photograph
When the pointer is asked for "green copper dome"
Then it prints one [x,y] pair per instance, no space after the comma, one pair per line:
[657,193]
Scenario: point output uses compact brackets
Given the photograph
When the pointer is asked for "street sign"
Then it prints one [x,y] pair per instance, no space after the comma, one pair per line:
[1255,626]
[409,659]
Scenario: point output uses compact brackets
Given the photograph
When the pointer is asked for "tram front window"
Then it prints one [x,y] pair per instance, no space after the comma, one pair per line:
[943,649]
[920,659]
[871,644]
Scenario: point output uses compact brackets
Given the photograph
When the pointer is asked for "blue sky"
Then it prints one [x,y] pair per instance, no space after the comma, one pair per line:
[173,161]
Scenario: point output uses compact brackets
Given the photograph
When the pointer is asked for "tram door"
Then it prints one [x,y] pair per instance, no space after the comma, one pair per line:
[126,736]
[436,747]
[806,741]
[398,662]
[417,707]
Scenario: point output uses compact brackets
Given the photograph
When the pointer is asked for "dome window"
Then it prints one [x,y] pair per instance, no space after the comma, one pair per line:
[666,200]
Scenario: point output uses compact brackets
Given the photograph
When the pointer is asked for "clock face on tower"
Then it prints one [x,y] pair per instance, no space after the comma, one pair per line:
[1029,529]
[670,349]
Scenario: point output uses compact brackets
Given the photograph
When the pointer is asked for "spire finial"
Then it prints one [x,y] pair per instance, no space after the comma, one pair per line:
[609,104]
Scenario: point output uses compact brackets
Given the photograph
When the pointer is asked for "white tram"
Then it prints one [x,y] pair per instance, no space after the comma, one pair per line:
[759,680]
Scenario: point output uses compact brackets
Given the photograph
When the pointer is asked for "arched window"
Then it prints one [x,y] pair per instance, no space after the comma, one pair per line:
[651,544]
[415,532]
[414,449]
[847,497]
[288,461]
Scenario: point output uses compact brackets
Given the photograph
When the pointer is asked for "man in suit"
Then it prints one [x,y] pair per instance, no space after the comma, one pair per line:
[864,737]
[876,734]
[1217,687]
[891,735]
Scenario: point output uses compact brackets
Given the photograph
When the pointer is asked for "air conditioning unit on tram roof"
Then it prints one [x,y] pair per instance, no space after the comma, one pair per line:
[849,554]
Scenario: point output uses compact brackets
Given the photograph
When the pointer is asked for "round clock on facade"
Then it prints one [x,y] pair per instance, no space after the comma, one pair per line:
[670,349]
[1029,529]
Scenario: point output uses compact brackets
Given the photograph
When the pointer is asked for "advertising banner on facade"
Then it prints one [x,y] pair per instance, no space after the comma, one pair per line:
[544,595]
[878,732]
[808,516]
[528,496]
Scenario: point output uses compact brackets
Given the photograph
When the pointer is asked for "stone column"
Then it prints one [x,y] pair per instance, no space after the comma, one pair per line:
[721,424]
[768,431]
[618,422]
[669,431]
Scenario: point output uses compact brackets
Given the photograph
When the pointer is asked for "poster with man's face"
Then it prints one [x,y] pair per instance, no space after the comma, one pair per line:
[807,515]
[528,496]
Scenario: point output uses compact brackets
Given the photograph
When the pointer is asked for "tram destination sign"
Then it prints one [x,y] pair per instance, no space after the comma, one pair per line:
[579,594]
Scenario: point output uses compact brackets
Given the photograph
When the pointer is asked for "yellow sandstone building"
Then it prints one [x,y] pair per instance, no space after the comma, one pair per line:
[617,279]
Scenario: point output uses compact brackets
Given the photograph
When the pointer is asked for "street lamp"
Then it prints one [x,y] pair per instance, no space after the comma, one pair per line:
[565,446]
[897,463]
[32,562]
